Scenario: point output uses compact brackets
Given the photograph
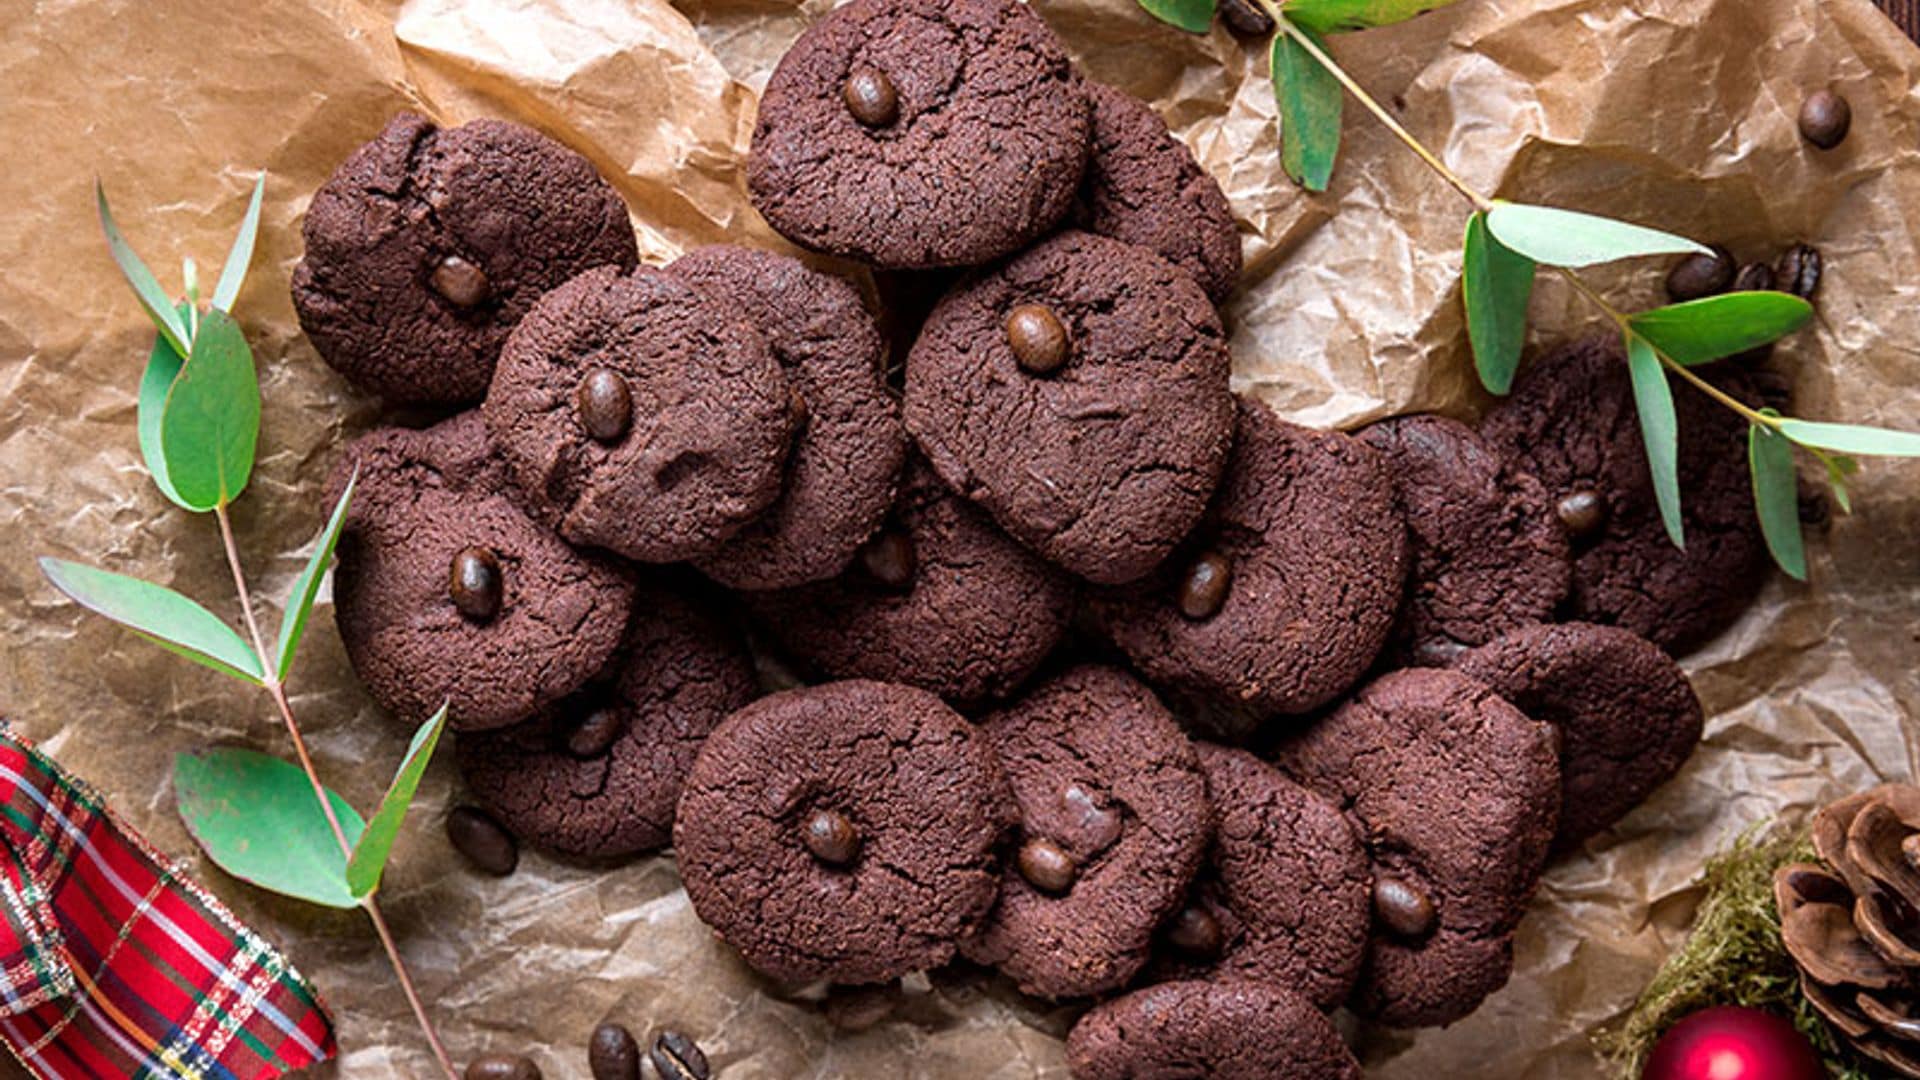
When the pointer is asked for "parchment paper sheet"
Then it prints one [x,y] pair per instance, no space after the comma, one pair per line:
[1677,113]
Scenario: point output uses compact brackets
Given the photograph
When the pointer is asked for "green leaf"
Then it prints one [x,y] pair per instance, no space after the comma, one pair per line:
[146,287]
[1702,331]
[1853,438]
[1839,467]
[370,853]
[158,614]
[163,366]
[1660,429]
[1571,239]
[241,254]
[256,817]
[1310,101]
[211,419]
[293,621]
[1193,16]
[1496,283]
[1776,498]
[1338,16]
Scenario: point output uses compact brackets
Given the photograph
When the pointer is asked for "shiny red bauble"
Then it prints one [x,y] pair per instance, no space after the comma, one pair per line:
[1733,1043]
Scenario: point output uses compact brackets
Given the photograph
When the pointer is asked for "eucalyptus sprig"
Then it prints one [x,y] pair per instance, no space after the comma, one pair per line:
[259,818]
[1507,243]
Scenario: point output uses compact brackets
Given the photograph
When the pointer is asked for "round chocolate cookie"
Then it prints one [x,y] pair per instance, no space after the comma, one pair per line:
[1143,187]
[1284,594]
[1220,1031]
[1285,895]
[1571,422]
[940,599]
[635,414]
[847,453]
[1486,554]
[1455,794]
[425,247]
[446,592]
[1079,393]
[599,773]
[920,133]
[1626,714]
[1114,820]
[848,832]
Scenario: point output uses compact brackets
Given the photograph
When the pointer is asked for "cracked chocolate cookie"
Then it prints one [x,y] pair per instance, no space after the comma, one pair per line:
[1143,187]
[1486,554]
[1113,821]
[1571,422]
[847,452]
[599,773]
[635,414]
[1282,596]
[920,133]
[1627,716]
[939,599]
[446,592]
[848,832]
[426,246]
[1221,1031]
[1079,394]
[1455,793]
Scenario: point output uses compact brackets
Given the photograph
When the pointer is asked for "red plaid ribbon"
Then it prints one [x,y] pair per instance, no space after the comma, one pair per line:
[114,964]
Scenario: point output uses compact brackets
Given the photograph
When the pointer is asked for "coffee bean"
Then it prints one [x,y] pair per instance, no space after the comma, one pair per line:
[1204,590]
[604,403]
[676,1057]
[889,559]
[462,283]
[1245,20]
[1798,271]
[1196,934]
[871,98]
[596,733]
[1097,826]
[1698,276]
[1047,866]
[1405,911]
[1039,341]
[1825,119]
[1582,512]
[831,837]
[481,839]
[1754,277]
[612,1054]
[473,582]
[502,1067]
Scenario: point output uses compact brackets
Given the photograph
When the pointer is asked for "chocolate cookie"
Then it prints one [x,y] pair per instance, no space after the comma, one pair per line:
[1143,187]
[1486,554]
[940,599]
[1114,819]
[1571,422]
[1079,393]
[1455,793]
[847,453]
[635,414]
[446,592]
[1220,1031]
[426,246]
[1283,595]
[919,133]
[1285,895]
[599,773]
[847,832]
[1627,717]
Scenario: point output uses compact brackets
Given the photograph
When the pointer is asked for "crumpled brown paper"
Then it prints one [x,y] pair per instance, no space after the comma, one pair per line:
[1677,113]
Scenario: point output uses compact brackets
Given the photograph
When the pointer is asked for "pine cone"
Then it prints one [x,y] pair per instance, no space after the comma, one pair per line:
[1853,925]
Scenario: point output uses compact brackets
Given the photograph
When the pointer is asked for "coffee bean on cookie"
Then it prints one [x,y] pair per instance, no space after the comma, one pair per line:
[1204,588]
[461,282]
[1582,512]
[474,583]
[831,837]
[605,404]
[1046,866]
[871,97]
[1403,908]
[1038,341]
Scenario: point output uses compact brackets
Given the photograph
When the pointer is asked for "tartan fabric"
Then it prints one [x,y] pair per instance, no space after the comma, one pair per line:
[115,964]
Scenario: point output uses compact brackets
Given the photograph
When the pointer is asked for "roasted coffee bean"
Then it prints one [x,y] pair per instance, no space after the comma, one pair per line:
[1244,19]
[1798,271]
[1039,341]
[1204,590]
[1825,119]
[1195,933]
[482,840]
[871,98]
[676,1057]
[1753,277]
[604,404]
[1815,511]
[889,559]
[1047,866]
[596,733]
[831,837]
[462,283]
[502,1067]
[1697,276]
[1582,513]
[473,582]
[612,1054]
[1404,910]
[1098,827]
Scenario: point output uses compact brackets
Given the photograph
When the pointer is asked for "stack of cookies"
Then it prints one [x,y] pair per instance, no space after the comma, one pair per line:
[1120,684]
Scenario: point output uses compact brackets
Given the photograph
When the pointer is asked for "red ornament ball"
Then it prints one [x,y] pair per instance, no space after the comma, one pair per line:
[1733,1043]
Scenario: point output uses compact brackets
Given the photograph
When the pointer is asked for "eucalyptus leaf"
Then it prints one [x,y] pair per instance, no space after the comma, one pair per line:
[146,287]
[1339,16]
[1776,498]
[1193,16]
[1495,284]
[370,853]
[1660,429]
[241,254]
[1310,101]
[257,818]
[1839,467]
[211,420]
[293,620]
[163,366]
[1702,331]
[1572,239]
[1852,438]
[158,614]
